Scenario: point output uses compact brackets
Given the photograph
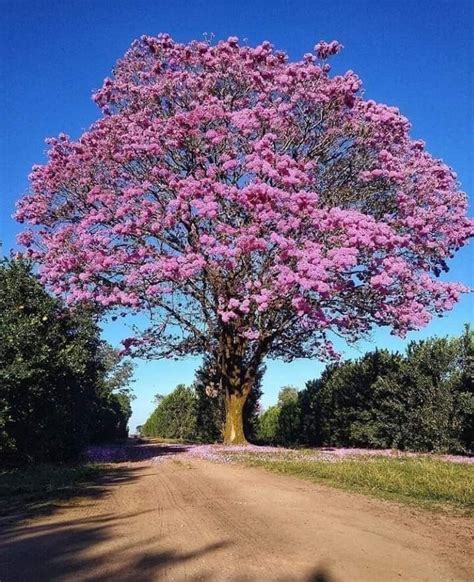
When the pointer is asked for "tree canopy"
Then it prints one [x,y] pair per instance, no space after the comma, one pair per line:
[174,417]
[252,205]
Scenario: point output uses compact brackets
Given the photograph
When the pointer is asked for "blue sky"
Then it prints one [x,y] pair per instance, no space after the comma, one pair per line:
[415,54]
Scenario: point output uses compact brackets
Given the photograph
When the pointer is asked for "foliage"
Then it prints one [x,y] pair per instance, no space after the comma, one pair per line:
[198,413]
[210,406]
[418,402]
[281,424]
[252,204]
[352,403]
[287,395]
[56,376]
[174,417]
[422,401]
[463,413]
[268,426]
[289,423]
[157,398]
[430,380]
[113,408]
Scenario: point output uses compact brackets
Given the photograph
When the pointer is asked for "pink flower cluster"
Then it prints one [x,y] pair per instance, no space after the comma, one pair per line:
[157,453]
[325,50]
[226,187]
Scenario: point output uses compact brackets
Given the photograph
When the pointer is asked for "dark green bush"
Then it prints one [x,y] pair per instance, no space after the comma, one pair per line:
[54,378]
[421,401]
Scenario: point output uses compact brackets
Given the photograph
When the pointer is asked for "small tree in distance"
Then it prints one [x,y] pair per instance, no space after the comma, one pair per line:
[287,394]
[174,417]
[253,206]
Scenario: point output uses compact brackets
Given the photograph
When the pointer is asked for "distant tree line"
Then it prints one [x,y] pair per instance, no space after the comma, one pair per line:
[422,401]
[61,386]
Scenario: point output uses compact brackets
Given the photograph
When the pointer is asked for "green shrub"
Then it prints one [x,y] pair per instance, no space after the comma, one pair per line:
[55,378]
[174,417]
[268,426]
[421,401]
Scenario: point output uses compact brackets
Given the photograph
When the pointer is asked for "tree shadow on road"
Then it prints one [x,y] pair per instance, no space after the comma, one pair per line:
[55,487]
[40,542]
[77,550]
[320,574]
[98,546]
[134,451]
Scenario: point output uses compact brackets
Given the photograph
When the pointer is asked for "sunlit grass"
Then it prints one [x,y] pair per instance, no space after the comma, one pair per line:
[422,481]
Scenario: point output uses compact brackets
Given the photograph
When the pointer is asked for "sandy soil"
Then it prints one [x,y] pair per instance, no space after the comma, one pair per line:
[195,520]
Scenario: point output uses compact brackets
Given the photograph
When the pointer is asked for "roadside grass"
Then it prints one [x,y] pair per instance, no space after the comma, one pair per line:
[428,483]
[35,488]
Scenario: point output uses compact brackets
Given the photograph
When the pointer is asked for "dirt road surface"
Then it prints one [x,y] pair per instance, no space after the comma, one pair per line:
[192,520]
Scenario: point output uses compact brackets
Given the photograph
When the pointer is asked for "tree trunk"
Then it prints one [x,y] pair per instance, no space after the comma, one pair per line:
[234,418]
[237,379]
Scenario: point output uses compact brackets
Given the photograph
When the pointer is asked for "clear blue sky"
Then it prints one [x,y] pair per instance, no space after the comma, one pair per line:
[415,54]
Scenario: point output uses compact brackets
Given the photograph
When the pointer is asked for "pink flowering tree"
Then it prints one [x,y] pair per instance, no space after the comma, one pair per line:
[252,206]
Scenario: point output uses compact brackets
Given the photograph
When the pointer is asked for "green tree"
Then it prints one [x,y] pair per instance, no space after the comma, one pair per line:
[289,420]
[268,426]
[421,401]
[113,408]
[281,424]
[47,370]
[440,405]
[287,394]
[464,400]
[54,378]
[174,417]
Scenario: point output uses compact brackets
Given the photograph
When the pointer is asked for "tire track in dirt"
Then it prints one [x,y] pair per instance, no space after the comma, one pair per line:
[220,517]
[180,519]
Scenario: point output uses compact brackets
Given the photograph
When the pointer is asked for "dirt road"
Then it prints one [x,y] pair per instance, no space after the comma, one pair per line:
[195,520]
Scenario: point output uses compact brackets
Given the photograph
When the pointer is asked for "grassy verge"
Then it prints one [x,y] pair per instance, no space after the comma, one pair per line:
[34,488]
[425,482]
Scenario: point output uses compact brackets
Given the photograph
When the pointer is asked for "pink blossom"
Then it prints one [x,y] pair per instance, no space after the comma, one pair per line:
[327,49]
[209,195]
